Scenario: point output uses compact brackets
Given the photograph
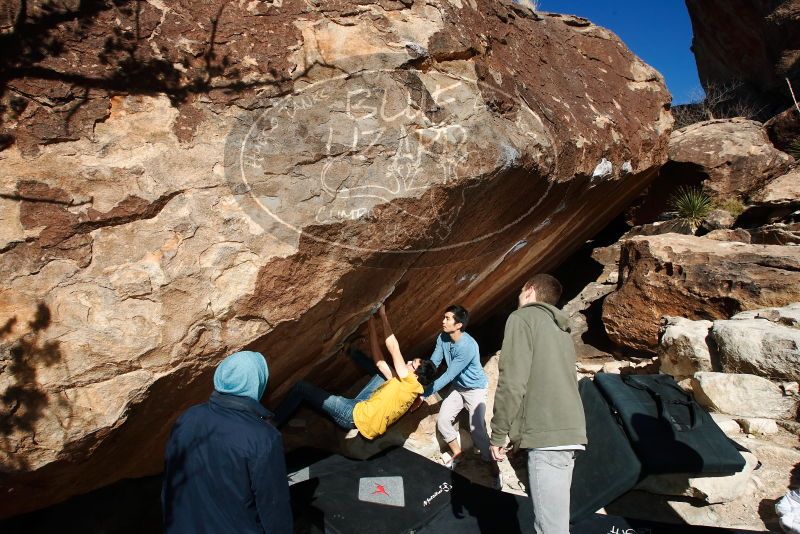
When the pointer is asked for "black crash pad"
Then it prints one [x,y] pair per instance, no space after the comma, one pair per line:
[608,467]
[338,495]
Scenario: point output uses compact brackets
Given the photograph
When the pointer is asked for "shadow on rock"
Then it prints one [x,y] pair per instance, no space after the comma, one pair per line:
[23,402]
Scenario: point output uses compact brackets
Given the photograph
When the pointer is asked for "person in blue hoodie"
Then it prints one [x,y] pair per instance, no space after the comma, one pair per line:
[460,352]
[225,470]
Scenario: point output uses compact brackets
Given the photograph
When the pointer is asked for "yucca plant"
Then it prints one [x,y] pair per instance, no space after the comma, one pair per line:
[691,204]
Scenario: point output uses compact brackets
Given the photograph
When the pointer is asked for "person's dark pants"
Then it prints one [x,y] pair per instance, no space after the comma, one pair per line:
[338,408]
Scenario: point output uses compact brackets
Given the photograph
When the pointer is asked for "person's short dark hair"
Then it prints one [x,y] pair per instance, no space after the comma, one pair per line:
[426,373]
[548,289]
[460,314]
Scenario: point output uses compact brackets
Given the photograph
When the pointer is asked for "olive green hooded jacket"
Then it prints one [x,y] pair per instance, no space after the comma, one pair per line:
[537,402]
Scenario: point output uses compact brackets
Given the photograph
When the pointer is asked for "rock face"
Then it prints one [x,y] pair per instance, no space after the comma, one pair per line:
[696,278]
[784,128]
[181,183]
[708,489]
[683,349]
[776,234]
[741,235]
[743,395]
[732,157]
[729,158]
[764,343]
[753,43]
[776,202]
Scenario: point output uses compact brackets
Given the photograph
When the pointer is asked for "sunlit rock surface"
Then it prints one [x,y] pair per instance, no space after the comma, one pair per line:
[186,180]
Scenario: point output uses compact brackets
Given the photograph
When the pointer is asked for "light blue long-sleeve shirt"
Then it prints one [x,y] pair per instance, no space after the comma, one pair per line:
[463,363]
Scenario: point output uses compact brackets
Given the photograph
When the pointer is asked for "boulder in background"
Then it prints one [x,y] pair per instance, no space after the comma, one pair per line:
[761,342]
[683,350]
[743,395]
[696,278]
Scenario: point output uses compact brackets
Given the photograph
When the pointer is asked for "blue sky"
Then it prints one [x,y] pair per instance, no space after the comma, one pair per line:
[658,31]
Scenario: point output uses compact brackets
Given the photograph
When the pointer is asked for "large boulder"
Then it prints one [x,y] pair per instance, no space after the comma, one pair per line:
[715,489]
[775,202]
[761,342]
[189,180]
[729,157]
[776,234]
[743,395]
[695,278]
[750,47]
[784,128]
[683,350]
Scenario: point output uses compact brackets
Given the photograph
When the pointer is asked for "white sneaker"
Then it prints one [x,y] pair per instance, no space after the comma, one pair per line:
[449,461]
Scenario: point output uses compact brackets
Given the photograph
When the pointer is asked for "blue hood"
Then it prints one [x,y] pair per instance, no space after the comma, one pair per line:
[242,373]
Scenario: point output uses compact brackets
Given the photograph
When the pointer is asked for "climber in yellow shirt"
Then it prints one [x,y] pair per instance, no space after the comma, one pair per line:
[385,398]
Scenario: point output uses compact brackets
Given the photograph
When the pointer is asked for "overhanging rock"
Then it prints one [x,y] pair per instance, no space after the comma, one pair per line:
[262,180]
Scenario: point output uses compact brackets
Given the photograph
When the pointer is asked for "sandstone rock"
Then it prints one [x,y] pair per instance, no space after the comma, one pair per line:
[743,395]
[776,201]
[761,342]
[784,128]
[586,351]
[608,257]
[718,219]
[682,350]
[739,234]
[574,309]
[590,369]
[790,426]
[776,234]
[756,425]
[727,424]
[615,367]
[695,278]
[709,489]
[782,190]
[747,513]
[732,157]
[729,158]
[674,226]
[195,199]
[786,315]
[750,43]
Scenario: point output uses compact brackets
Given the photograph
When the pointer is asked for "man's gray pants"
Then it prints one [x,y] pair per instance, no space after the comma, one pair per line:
[550,477]
[474,400]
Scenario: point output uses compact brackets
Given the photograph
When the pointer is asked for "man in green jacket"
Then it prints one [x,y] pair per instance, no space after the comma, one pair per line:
[537,404]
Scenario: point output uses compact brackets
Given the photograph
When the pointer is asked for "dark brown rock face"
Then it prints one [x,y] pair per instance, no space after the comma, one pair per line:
[784,128]
[755,43]
[696,278]
[189,179]
[728,158]
[734,157]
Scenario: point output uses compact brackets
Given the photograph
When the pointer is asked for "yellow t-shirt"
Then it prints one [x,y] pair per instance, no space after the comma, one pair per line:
[386,405]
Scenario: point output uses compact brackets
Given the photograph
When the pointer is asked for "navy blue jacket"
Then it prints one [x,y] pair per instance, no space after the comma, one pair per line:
[225,471]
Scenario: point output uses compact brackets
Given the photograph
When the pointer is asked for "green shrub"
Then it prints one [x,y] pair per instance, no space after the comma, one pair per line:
[734,206]
[691,204]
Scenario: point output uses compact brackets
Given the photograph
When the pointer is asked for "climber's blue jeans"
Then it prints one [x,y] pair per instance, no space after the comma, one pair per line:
[338,408]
